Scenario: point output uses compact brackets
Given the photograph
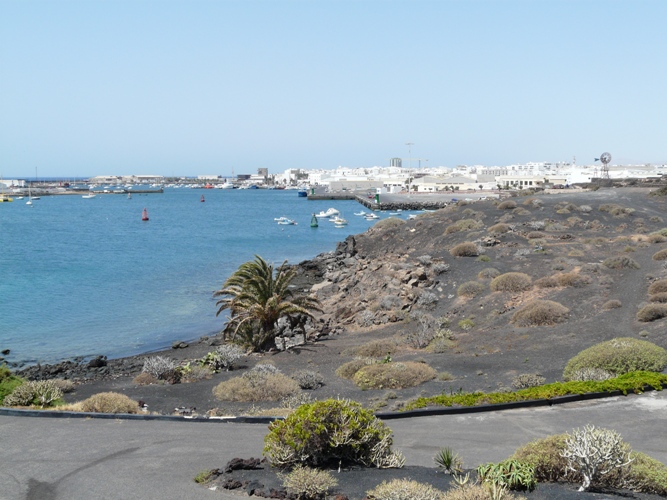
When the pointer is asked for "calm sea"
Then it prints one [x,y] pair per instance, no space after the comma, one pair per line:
[87,276]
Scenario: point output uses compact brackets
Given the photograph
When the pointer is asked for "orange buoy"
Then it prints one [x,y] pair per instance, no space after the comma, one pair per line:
[144,215]
[202,198]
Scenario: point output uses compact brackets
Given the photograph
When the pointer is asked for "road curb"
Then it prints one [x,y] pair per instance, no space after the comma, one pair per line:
[426,412]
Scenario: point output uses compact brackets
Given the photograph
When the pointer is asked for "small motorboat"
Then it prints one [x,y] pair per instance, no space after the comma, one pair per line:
[88,196]
[371,216]
[329,213]
[340,222]
[285,221]
[361,214]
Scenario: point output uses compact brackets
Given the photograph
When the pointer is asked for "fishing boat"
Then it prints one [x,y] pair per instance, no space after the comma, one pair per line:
[340,222]
[88,196]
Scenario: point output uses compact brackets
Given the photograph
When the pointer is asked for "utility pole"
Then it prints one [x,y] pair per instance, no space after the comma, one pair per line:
[409,145]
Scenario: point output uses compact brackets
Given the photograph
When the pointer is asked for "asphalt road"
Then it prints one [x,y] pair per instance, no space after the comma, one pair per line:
[48,459]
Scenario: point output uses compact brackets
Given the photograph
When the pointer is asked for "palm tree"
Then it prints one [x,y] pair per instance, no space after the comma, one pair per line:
[257,296]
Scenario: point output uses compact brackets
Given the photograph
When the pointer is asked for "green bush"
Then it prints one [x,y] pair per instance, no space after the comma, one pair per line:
[331,432]
[8,382]
[403,489]
[511,474]
[470,289]
[511,282]
[466,324]
[109,402]
[465,249]
[540,313]
[545,456]
[619,356]
[348,370]
[393,375]
[652,312]
[647,474]
[35,392]
[306,483]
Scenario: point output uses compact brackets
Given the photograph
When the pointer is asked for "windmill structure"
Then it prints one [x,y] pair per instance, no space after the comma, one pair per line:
[605,158]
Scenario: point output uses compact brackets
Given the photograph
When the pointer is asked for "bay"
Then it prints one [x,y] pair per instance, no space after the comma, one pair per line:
[81,277]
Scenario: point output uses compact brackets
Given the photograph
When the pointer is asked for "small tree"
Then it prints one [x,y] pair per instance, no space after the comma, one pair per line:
[594,452]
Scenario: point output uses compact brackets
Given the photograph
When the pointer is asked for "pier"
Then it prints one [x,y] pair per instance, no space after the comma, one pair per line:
[404,201]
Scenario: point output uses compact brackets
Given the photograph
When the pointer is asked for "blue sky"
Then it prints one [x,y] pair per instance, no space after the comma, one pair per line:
[200,87]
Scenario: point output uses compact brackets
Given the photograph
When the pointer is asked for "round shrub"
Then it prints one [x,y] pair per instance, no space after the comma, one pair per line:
[373,349]
[499,228]
[308,379]
[507,205]
[534,235]
[547,282]
[393,375]
[403,489]
[348,370]
[659,286]
[109,402]
[660,255]
[652,312]
[465,249]
[35,392]
[511,282]
[470,289]
[331,432]
[488,273]
[540,313]
[389,223]
[304,482]
[619,356]
[528,380]
[656,238]
[611,304]
[544,455]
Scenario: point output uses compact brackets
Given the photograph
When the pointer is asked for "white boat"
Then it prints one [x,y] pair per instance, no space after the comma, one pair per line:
[362,213]
[340,222]
[371,216]
[412,217]
[329,213]
[226,185]
[285,221]
[87,196]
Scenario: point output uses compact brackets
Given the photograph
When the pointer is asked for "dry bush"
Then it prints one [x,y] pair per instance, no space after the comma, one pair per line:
[659,286]
[660,255]
[507,205]
[389,223]
[547,282]
[109,402]
[145,378]
[470,289]
[256,386]
[308,379]
[465,249]
[349,369]
[621,263]
[616,210]
[540,313]
[520,211]
[590,374]
[404,489]
[306,483]
[511,282]
[619,356]
[463,225]
[656,238]
[528,380]
[534,235]
[659,297]
[652,312]
[393,375]
[576,253]
[499,228]
[373,349]
[611,304]
[160,367]
[196,373]
[64,385]
[488,273]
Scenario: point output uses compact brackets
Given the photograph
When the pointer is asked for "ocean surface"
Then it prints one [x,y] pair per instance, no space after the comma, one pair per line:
[82,277]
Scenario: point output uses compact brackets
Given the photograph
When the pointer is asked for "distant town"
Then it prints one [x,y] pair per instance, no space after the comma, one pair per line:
[396,178]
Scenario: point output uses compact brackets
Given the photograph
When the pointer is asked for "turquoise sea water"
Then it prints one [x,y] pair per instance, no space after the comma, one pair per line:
[87,276]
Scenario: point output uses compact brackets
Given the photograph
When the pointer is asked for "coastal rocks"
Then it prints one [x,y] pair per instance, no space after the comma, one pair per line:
[179,344]
[5,352]
[97,362]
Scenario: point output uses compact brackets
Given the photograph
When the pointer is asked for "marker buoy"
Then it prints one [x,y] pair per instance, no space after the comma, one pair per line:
[144,215]
[202,199]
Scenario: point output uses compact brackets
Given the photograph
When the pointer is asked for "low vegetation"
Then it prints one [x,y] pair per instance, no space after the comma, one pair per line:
[629,382]
[42,393]
[404,489]
[393,375]
[109,402]
[619,356]
[621,263]
[262,383]
[471,289]
[660,255]
[465,249]
[306,483]
[652,312]
[8,382]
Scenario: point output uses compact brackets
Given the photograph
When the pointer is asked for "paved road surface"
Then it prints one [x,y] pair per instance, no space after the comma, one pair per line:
[48,459]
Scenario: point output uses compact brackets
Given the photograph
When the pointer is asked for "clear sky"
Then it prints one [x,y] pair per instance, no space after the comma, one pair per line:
[203,87]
